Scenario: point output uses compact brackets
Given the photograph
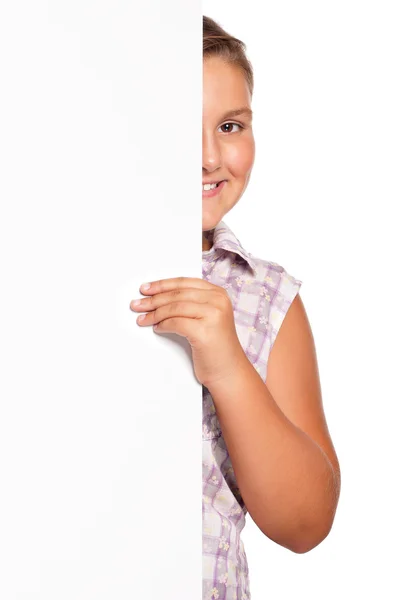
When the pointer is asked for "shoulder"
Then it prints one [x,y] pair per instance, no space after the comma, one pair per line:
[279,288]
[270,272]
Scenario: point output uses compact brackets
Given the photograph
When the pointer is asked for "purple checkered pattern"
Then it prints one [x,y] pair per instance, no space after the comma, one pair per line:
[261,293]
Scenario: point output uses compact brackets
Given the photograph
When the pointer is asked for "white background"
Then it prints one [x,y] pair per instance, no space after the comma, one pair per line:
[324,201]
[100,152]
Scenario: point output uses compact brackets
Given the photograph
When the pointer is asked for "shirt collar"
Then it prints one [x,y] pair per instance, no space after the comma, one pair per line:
[224,239]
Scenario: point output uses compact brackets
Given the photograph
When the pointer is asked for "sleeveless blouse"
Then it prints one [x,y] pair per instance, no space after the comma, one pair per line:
[261,293]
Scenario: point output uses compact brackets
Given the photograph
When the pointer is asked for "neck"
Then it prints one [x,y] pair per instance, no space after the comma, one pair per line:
[206,245]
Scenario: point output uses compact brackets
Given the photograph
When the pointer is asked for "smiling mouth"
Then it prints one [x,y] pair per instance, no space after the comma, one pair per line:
[213,191]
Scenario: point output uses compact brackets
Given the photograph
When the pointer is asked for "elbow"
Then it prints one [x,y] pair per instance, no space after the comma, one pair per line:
[309,541]
[305,541]
[311,531]
[312,536]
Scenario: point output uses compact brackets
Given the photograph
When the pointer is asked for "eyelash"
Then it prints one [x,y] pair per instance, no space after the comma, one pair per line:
[231,123]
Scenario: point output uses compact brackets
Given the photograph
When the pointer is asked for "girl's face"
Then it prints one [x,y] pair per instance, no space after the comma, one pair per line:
[228,147]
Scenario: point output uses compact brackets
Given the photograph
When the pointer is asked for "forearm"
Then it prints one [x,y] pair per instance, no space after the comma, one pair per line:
[287,482]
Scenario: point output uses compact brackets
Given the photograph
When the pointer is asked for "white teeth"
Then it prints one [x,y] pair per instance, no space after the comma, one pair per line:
[209,186]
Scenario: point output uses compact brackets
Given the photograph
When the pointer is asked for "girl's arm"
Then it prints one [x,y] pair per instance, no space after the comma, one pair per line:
[278,440]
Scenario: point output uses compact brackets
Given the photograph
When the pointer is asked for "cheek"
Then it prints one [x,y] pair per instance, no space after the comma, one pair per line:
[240,158]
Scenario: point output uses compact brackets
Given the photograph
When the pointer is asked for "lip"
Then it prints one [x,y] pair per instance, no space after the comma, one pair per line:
[215,191]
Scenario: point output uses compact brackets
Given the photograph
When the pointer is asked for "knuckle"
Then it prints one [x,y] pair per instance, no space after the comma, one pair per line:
[223,299]
[217,315]
[173,307]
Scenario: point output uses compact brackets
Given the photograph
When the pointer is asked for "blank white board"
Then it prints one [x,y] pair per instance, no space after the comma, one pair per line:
[99,192]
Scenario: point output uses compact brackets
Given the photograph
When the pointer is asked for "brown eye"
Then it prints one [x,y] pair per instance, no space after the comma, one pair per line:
[226,125]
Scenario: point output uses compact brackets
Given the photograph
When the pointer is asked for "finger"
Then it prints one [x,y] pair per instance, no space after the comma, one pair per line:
[185,294]
[188,328]
[188,310]
[166,285]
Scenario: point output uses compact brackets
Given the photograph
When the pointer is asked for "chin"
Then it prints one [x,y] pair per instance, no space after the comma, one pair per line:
[209,223]
[206,228]
[211,218]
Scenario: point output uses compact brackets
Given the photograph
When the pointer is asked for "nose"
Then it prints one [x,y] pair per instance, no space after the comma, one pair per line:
[211,153]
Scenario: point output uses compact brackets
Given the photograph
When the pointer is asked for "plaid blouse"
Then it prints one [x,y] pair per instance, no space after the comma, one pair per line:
[261,293]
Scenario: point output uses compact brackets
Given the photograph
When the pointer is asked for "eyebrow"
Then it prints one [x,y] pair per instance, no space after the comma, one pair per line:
[237,112]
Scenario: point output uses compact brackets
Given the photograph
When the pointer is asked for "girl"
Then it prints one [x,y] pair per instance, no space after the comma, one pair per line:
[266,444]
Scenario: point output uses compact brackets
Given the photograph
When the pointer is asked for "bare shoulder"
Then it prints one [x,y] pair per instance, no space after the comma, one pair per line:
[293,378]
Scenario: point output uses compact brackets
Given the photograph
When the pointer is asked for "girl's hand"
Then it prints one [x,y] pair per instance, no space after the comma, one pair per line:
[201,312]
